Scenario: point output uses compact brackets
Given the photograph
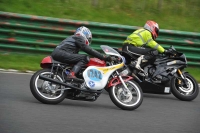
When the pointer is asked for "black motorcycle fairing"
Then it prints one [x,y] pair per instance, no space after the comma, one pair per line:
[128,56]
[150,87]
[161,71]
[159,76]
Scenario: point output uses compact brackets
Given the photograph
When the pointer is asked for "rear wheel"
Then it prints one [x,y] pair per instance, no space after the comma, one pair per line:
[45,91]
[126,101]
[185,93]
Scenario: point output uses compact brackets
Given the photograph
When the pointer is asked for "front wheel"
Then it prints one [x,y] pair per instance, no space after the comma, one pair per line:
[126,101]
[185,93]
[45,91]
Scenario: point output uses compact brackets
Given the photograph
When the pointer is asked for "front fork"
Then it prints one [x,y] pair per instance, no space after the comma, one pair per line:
[183,78]
[126,91]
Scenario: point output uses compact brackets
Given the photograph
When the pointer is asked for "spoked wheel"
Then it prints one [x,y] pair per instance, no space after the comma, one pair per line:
[127,100]
[45,91]
[183,92]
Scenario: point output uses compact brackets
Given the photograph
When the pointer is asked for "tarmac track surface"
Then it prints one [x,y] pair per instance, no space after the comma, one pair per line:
[20,112]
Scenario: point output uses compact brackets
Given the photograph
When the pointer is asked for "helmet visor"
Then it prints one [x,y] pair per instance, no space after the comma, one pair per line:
[89,40]
[157,31]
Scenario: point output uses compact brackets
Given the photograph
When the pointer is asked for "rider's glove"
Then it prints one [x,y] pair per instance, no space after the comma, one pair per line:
[168,52]
[109,58]
[113,59]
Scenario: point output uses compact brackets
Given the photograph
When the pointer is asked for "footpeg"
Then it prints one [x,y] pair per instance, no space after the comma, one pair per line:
[141,74]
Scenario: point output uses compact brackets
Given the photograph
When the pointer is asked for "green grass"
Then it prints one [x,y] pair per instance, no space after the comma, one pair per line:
[20,62]
[170,14]
[25,62]
[194,72]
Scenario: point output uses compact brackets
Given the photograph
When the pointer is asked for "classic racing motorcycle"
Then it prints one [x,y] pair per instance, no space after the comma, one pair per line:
[165,75]
[50,85]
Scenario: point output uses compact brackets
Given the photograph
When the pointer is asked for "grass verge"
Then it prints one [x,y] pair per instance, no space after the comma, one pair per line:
[170,14]
[20,62]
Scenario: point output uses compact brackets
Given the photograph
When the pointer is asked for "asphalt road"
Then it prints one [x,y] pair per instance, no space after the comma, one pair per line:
[20,112]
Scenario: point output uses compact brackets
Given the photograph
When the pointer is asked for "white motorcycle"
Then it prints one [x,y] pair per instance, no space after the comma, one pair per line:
[50,85]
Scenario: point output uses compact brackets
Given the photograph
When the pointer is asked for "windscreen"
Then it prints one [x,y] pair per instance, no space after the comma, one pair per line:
[109,50]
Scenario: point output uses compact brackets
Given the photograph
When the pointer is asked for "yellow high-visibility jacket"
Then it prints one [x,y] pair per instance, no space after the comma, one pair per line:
[142,38]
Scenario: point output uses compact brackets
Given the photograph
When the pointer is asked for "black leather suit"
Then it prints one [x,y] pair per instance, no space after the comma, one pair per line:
[149,53]
[67,52]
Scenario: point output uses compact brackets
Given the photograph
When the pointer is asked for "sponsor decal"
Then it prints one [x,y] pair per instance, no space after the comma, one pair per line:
[167,89]
[91,84]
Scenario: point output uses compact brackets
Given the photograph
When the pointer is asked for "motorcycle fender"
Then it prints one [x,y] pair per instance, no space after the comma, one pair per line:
[185,72]
[116,81]
[46,62]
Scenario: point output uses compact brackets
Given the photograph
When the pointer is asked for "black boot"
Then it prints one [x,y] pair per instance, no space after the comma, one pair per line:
[72,75]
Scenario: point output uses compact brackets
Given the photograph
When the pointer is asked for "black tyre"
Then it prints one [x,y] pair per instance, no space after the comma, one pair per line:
[124,101]
[185,93]
[45,91]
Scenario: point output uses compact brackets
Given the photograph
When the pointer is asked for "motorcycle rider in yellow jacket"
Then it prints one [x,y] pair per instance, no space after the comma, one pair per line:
[139,40]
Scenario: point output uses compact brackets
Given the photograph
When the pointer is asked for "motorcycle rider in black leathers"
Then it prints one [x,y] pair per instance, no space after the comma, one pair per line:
[67,51]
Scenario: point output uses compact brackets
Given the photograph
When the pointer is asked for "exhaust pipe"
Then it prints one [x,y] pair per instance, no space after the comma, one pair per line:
[65,84]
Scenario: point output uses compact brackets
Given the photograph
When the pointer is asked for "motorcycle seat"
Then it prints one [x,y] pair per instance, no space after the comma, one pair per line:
[56,62]
[139,51]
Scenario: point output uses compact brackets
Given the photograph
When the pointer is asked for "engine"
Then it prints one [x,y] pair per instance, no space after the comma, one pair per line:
[159,78]
[151,71]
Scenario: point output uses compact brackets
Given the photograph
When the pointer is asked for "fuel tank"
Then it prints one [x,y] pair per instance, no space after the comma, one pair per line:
[96,62]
